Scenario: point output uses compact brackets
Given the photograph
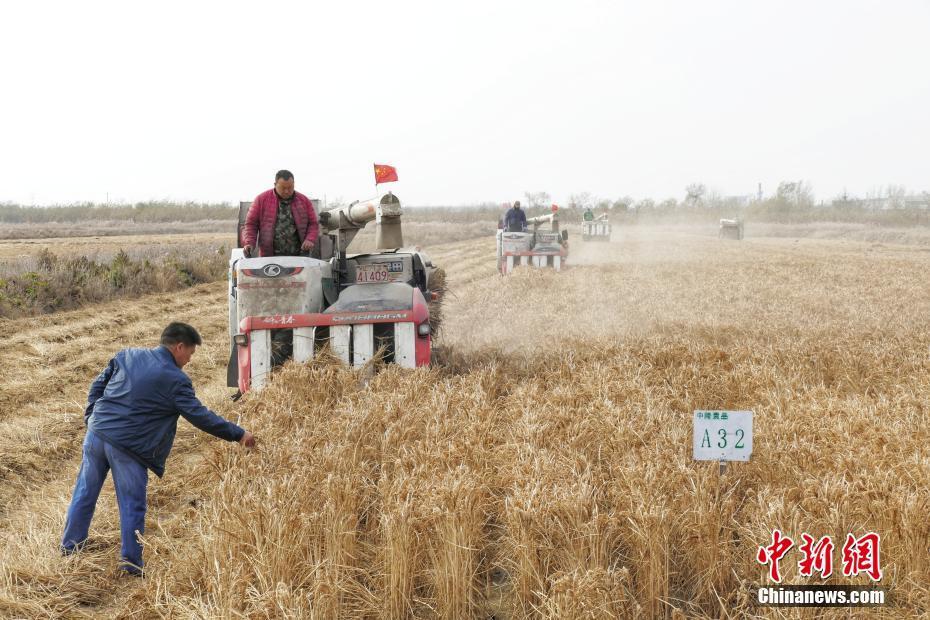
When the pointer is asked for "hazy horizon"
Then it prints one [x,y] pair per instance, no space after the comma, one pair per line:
[471,103]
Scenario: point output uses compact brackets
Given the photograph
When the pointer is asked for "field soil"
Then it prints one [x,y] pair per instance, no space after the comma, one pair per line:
[894,235]
[541,468]
[114,228]
[12,250]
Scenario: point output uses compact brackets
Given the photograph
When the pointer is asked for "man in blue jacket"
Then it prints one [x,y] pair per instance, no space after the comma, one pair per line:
[131,418]
[515,219]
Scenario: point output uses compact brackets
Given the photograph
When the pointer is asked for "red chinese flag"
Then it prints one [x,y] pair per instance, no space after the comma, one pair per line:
[385,174]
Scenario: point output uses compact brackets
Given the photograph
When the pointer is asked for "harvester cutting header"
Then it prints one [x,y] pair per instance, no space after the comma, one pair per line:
[357,303]
[539,243]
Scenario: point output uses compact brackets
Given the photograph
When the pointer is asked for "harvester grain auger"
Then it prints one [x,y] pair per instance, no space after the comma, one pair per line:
[597,229]
[539,246]
[387,300]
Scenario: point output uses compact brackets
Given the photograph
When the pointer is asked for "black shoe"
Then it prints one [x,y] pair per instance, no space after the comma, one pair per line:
[128,568]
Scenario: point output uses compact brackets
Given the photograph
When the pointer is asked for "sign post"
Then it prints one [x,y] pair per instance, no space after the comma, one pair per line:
[722,436]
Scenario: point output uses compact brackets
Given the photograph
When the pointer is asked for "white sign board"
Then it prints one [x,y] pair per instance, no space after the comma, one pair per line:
[722,435]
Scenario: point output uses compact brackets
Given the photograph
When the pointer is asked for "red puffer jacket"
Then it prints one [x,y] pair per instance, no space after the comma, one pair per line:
[259,223]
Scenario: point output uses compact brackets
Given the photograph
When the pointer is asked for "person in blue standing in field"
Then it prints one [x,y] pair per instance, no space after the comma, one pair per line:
[515,219]
[131,417]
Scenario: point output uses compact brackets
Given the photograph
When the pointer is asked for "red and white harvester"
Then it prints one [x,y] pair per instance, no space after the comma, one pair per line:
[358,304]
[539,246]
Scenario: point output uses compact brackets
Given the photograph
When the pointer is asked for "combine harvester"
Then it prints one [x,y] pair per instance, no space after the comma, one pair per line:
[731,229]
[543,247]
[597,229]
[358,303]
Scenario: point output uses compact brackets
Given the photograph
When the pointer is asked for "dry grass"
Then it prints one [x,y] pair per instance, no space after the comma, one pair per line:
[543,470]
[46,275]
[54,282]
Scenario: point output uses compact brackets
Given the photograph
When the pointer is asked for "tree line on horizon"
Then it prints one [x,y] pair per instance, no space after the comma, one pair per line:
[792,202]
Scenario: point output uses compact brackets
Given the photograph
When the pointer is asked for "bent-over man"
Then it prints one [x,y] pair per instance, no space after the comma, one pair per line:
[131,418]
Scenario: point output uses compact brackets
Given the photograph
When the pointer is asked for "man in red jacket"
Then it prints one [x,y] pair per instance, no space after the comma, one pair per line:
[281,222]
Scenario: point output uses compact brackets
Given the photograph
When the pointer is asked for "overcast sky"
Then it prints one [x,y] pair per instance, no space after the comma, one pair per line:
[471,101]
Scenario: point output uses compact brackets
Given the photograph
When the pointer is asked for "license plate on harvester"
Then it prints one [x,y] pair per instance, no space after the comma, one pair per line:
[373,273]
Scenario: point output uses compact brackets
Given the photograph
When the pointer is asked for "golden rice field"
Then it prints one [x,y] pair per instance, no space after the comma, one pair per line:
[542,469]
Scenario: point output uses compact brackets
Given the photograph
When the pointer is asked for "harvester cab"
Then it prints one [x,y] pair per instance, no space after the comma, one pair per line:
[596,229]
[731,229]
[541,245]
[359,304]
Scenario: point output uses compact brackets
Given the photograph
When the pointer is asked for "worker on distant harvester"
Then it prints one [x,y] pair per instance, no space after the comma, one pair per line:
[281,222]
[131,418]
[588,215]
[515,219]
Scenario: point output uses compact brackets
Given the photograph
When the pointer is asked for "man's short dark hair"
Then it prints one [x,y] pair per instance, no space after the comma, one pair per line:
[180,332]
[284,175]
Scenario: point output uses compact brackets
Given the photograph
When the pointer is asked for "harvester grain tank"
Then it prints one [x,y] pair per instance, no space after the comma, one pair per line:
[731,229]
[597,229]
[385,300]
[541,245]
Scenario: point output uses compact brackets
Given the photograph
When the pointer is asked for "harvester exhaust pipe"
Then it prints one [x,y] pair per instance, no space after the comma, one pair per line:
[388,232]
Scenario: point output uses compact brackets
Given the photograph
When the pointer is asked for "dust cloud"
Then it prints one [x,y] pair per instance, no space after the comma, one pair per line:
[656,281]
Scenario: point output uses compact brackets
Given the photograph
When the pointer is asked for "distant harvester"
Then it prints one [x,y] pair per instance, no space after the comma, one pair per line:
[731,229]
[538,247]
[597,229]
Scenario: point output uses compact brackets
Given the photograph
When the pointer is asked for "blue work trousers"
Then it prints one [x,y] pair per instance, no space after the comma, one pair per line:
[130,478]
